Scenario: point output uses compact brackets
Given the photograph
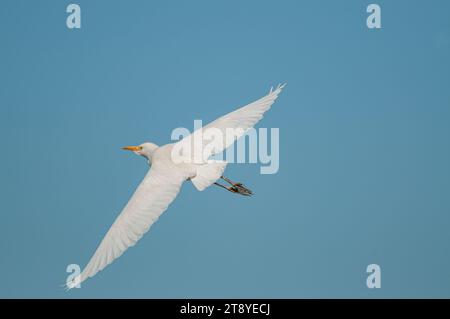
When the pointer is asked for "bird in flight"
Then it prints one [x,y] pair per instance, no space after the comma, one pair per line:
[167,173]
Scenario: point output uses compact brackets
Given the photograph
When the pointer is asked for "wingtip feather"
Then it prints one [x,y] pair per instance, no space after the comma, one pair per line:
[278,89]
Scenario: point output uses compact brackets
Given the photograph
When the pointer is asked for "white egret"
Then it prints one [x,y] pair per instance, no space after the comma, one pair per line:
[164,179]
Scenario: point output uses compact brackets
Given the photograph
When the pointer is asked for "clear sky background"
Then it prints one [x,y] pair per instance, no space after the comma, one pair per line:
[364,146]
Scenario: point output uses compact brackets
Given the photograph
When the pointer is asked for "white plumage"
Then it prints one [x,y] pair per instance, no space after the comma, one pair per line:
[164,179]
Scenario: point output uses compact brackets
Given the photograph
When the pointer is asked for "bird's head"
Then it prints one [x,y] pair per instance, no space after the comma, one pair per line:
[145,149]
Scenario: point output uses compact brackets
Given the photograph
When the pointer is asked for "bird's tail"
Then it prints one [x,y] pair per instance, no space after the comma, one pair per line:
[207,174]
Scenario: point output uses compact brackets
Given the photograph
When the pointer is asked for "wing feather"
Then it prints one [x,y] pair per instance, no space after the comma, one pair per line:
[239,120]
[151,198]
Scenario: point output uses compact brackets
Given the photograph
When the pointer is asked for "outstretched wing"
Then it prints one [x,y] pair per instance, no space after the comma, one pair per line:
[206,141]
[152,197]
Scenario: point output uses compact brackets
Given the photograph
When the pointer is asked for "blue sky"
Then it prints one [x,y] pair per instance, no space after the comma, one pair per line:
[364,146]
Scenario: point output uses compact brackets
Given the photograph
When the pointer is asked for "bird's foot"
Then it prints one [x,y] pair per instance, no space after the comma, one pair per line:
[237,188]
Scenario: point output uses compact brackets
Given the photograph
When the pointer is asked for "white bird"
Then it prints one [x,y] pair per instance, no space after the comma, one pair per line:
[164,179]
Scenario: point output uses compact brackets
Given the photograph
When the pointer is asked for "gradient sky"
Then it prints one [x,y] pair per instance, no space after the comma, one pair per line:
[364,146]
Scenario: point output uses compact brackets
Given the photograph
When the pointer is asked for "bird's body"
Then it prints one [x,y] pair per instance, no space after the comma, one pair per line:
[163,181]
[163,156]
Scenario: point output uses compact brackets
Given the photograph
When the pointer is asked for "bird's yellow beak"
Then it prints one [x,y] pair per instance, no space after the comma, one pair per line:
[132,148]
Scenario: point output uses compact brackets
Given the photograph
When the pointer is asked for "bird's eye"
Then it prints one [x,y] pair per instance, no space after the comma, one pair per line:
[140,148]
